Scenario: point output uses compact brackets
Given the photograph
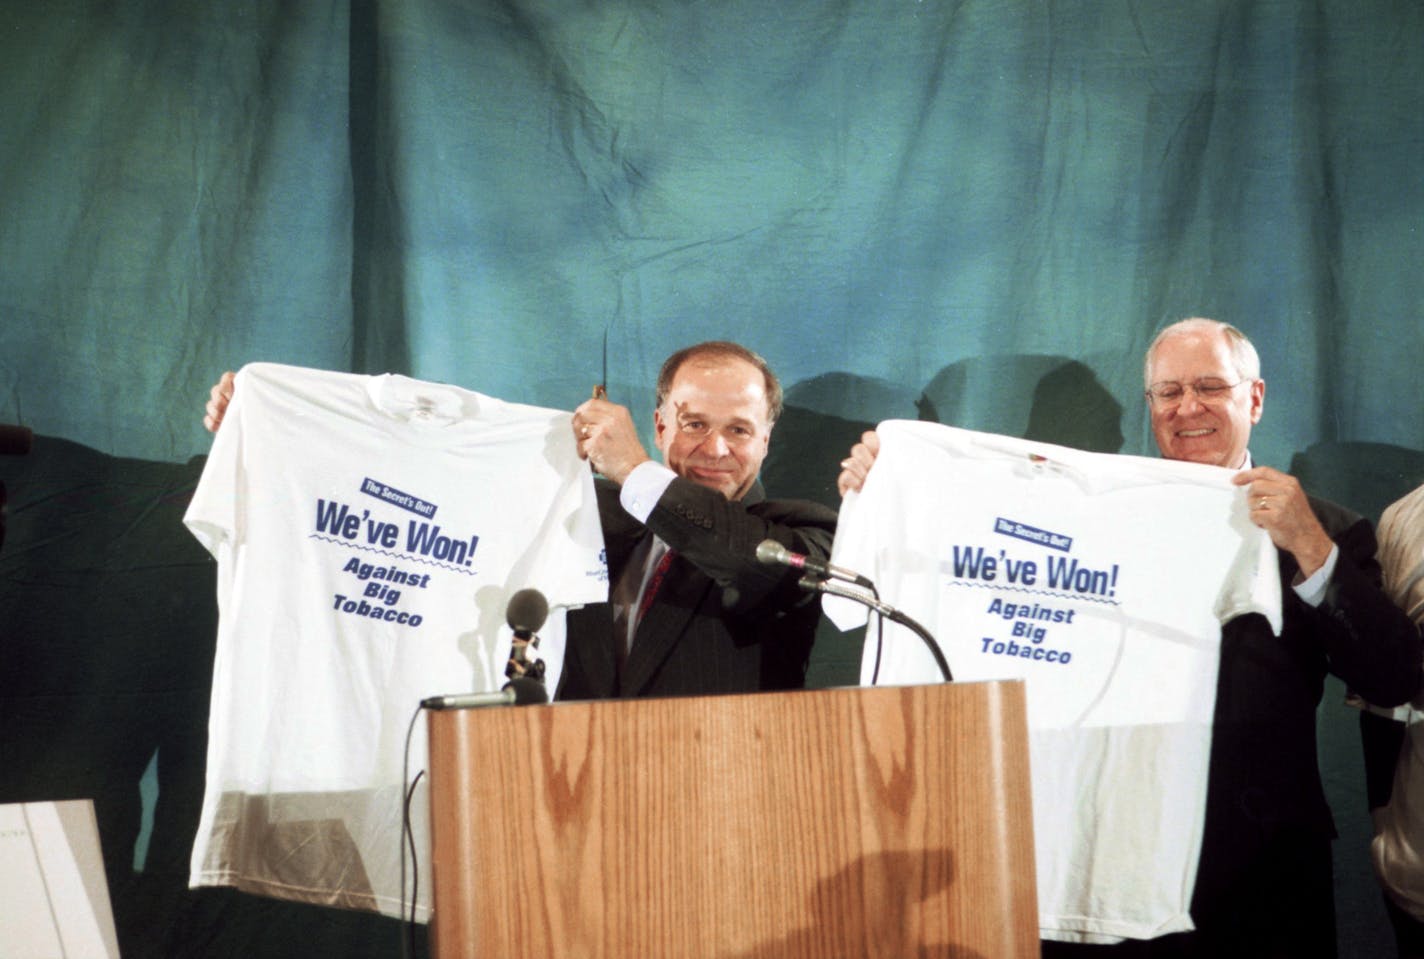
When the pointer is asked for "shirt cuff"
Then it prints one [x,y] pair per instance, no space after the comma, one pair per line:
[1312,589]
[643,488]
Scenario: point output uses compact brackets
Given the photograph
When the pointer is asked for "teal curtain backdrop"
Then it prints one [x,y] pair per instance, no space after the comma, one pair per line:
[974,212]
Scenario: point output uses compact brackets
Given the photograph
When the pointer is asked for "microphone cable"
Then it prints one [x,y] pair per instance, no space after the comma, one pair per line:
[879,639]
[811,582]
[407,843]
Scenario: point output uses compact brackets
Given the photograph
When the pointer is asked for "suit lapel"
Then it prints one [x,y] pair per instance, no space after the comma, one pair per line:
[671,616]
[683,590]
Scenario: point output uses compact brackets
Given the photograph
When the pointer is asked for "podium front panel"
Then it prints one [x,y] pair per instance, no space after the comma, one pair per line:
[848,822]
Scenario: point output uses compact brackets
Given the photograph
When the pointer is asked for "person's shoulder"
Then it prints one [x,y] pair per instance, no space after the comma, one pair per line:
[1411,503]
[803,510]
[1334,517]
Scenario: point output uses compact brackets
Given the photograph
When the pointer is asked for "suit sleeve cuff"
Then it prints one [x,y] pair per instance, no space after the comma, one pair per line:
[1312,589]
[643,488]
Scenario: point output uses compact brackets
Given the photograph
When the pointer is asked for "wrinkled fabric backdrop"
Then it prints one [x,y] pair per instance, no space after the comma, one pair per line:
[974,212]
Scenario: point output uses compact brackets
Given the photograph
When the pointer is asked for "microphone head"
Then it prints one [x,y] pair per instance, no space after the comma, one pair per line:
[771,552]
[527,692]
[526,611]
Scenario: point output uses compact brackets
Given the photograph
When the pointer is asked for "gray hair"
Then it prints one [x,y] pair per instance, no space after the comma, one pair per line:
[1243,354]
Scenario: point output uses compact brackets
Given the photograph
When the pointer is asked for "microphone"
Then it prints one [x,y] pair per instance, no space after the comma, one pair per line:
[516,692]
[15,440]
[504,697]
[525,613]
[772,553]
[812,584]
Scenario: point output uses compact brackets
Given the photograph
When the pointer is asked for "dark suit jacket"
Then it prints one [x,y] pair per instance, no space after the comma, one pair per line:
[721,622]
[1264,791]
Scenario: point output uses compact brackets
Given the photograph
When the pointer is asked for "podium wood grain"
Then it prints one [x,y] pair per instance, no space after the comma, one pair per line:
[888,822]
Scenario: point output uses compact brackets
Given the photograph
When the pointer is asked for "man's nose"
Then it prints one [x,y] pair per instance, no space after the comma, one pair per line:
[1190,402]
[717,445]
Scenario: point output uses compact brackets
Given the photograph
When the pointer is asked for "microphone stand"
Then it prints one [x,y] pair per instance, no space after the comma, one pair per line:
[811,582]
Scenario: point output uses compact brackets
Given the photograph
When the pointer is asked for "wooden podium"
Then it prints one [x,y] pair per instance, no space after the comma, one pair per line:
[893,821]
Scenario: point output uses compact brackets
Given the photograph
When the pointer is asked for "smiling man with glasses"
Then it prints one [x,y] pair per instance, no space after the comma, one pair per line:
[1204,391]
[1264,880]
[1264,886]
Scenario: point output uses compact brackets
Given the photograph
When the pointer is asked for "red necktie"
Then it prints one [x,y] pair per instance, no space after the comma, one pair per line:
[654,581]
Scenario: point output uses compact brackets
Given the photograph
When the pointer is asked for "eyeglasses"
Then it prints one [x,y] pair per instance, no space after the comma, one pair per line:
[1206,391]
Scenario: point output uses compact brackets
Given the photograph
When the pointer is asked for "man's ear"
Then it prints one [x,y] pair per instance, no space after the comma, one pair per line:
[660,426]
[1258,400]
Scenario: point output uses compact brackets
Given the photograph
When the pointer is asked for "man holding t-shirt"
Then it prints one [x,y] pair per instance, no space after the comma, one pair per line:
[1264,881]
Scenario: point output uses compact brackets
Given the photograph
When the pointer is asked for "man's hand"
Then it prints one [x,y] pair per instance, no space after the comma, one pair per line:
[1278,506]
[218,399]
[608,439]
[856,466]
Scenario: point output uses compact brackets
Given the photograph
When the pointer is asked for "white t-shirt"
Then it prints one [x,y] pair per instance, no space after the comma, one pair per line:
[1100,580]
[369,532]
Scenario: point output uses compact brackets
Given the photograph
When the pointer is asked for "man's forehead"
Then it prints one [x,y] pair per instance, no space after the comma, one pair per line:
[692,410]
[742,411]
[697,387]
[1192,354]
[700,368]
